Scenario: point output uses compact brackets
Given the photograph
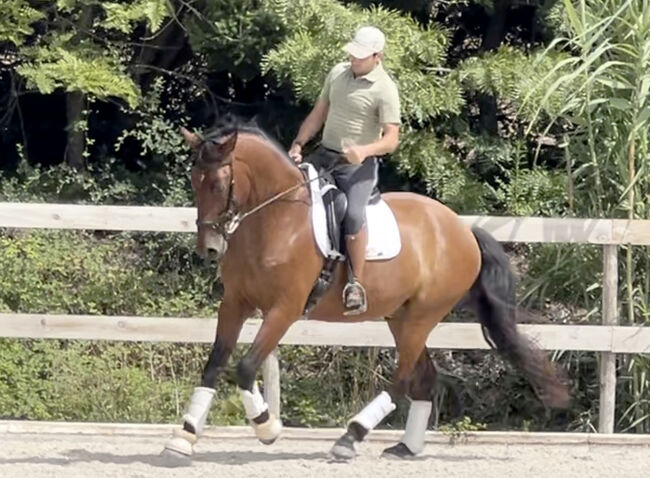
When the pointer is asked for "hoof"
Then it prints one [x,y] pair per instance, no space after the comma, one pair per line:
[178,449]
[269,431]
[343,449]
[399,451]
[173,459]
[268,442]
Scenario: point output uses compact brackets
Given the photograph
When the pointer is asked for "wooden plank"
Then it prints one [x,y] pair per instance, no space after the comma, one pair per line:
[635,232]
[564,230]
[110,218]
[636,339]
[608,360]
[368,334]
[179,219]
[538,229]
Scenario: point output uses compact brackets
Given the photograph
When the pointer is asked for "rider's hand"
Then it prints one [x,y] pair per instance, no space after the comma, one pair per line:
[295,153]
[354,154]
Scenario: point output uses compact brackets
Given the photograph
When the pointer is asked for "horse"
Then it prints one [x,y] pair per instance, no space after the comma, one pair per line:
[253,208]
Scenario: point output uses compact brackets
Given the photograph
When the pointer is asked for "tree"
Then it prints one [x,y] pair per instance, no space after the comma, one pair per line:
[78,46]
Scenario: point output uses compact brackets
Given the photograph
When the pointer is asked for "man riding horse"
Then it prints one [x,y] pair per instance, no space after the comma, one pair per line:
[253,215]
[359,105]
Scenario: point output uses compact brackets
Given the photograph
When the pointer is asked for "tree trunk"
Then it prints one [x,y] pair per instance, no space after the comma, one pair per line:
[494,35]
[75,102]
[167,49]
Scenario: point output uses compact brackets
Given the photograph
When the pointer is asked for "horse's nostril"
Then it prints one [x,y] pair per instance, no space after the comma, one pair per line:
[213,254]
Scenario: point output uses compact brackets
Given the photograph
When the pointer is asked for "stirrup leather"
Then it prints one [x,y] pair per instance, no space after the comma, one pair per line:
[354,305]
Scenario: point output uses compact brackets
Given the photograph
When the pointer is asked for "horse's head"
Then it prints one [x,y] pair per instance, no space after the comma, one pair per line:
[213,185]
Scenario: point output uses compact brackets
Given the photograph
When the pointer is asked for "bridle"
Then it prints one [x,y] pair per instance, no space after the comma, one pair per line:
[227,222]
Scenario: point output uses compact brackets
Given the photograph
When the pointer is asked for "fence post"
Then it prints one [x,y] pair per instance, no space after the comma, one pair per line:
[271,377]
[608,359]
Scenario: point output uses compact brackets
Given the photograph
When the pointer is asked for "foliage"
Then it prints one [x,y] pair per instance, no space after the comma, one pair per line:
[163,153]
[607,113]
[235,34]
[61,272]
[79,50]
[89,70]
[16,23]
[413,55]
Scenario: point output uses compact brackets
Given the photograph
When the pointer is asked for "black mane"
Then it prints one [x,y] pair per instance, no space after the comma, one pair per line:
[229,124]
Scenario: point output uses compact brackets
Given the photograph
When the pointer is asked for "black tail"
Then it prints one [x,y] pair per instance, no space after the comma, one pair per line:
[493,298]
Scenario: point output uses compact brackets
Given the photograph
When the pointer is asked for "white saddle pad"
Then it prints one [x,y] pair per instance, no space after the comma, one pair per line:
[383,233]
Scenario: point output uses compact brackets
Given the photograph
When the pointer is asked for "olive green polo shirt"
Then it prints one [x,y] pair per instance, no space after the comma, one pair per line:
[358,106]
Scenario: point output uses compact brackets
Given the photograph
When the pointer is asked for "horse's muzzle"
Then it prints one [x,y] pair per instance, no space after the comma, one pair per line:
[211,245]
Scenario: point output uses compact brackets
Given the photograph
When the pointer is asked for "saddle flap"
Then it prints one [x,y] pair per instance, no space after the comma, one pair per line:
[384,240]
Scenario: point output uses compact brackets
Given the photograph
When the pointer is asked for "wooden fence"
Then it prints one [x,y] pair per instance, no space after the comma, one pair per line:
[608,339]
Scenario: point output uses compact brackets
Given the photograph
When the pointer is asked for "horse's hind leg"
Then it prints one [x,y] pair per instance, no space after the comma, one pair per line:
[411,331]
[420,391]
[232,314]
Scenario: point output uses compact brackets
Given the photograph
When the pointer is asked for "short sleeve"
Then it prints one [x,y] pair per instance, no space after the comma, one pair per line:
[389,107]
[331,76]
[327,84]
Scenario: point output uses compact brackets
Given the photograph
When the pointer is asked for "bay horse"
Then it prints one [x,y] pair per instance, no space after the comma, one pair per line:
[253,210]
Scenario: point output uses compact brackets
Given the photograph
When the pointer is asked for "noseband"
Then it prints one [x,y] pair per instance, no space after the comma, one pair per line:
[228,220]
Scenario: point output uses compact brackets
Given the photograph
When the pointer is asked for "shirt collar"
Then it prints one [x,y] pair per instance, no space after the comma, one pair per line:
[372,76]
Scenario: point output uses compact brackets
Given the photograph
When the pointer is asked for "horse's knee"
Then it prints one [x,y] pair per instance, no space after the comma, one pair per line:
[218,357]
[246,371]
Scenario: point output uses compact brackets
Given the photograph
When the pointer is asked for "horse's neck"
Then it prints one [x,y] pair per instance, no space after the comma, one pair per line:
[269,172]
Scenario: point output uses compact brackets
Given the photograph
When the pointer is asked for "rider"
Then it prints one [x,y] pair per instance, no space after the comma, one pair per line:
[359,105]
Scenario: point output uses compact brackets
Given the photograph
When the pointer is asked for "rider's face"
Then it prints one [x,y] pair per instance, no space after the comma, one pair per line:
[363,66]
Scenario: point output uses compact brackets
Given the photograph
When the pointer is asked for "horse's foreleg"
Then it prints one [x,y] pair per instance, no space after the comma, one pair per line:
[231,318]
[266,425]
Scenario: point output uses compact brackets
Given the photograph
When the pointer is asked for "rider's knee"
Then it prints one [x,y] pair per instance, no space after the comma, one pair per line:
[353,223]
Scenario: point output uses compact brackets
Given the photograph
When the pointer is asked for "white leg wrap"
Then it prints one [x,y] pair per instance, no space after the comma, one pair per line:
[254,403]
[375,411]
[197,412]
[416,425]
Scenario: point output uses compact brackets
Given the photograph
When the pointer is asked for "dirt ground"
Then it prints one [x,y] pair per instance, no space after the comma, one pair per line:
[26,455]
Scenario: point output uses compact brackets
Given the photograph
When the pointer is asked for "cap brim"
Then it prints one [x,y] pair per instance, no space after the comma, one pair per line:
[358,51]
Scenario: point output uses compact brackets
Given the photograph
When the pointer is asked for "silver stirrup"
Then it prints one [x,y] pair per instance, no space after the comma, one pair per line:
[354,309]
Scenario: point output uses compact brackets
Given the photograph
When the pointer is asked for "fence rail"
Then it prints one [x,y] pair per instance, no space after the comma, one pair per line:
[608,339]
[456,336]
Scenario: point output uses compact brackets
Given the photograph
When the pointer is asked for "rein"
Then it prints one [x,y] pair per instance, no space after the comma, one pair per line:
[229,220]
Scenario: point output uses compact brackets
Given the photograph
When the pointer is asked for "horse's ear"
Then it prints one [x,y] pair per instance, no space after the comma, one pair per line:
[227,145]
[193,140]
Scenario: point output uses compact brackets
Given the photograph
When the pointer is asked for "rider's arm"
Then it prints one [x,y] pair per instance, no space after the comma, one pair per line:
[388,142]
[313,123]
[389,117]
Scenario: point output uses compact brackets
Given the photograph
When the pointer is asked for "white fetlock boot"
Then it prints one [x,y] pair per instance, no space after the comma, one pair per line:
[255,405]
[182,441]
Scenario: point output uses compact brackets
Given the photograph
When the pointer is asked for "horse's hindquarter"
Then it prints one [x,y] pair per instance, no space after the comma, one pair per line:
[445,250]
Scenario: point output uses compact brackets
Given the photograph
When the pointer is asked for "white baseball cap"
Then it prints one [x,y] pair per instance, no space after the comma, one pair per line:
[367,41]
